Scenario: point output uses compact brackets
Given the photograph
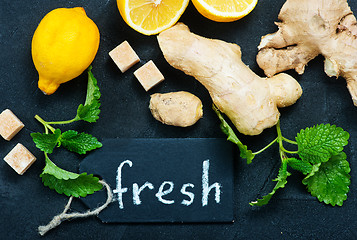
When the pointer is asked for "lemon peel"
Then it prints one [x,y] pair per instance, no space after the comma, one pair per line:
[63,46]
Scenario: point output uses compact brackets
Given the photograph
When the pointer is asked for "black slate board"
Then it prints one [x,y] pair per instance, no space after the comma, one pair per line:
[292,213]
[201,167]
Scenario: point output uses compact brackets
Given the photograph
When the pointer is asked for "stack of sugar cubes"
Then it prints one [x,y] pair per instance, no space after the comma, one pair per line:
[19,158]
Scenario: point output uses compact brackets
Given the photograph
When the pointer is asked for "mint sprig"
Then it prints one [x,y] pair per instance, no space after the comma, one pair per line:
[281,182]
[89,112]
[319,143]
[60,180]
[319,156]
[300,165]
[68,183]
[80,187]
[330,182]
[80,143]
[46,142]
[232,137]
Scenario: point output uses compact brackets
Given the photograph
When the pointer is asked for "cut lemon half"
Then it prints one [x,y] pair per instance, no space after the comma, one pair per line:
[224,11]
[151,17]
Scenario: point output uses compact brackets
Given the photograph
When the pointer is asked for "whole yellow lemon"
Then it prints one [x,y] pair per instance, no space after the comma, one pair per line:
[63,46]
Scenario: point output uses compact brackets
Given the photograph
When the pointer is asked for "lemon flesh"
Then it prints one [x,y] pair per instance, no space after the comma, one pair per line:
[150,17]
[224,11]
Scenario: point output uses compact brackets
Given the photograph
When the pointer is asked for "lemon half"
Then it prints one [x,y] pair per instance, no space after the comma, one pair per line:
[151,17]
[224,11]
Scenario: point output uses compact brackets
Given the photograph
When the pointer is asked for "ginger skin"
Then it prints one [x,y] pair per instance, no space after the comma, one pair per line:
[181,109]
[307,29]
[248,100]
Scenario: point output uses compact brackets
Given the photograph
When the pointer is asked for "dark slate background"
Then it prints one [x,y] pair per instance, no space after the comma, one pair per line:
[292,214]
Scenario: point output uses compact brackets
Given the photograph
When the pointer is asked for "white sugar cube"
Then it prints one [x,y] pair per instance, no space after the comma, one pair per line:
[124,56]
[149,75]
[10,125]
[20,159]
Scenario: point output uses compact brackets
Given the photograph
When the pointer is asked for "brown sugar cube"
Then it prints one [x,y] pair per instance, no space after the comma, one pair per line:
[10,125]
[20,159]
[124,56]
[149,75]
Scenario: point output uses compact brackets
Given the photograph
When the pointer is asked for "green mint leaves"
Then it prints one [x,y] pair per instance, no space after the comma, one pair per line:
[46,142]
[80,143]
[79,187]
[318,144]
[60,180]
[322,146]
[89,112]
[319,157]
[330,181]
[300,165]
[68,183]
[281,182]
[232,137]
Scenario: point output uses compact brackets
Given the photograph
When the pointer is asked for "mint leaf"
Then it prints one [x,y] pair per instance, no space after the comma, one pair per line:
[89,112]
[59,173]
[319,143]
[300,165]
[232,137]
[79,142]
[93,92]
[69,183]
[281,182]
[80,187]
[330,180]
[46,142]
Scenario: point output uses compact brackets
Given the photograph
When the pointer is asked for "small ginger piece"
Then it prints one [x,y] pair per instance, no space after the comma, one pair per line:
[180,109]
[251,102]
[307,29]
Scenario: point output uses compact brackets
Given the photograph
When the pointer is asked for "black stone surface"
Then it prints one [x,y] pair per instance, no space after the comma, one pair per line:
[292,213]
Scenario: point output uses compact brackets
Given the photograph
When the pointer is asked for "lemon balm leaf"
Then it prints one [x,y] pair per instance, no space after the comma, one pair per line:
[93,93]
[89,112]
[69,183]
[46,142]
[232,137]
[53,170]
[80,187]
[80,143]
[329,181]
[319,143]
[281,182]
[300,165]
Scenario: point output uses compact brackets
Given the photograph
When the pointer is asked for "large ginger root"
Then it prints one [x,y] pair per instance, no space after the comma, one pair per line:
[248,100]
[309,28]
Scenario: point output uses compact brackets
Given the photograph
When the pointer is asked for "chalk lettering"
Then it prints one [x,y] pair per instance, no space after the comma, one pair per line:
[137,191]
[205,188]
[119,190]
[189,194]
[161,193]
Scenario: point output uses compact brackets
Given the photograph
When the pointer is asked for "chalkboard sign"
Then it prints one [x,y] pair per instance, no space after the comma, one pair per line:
[164,180]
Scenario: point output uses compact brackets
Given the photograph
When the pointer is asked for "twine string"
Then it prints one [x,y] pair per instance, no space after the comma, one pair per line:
[57,220]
